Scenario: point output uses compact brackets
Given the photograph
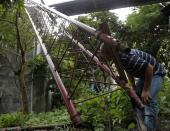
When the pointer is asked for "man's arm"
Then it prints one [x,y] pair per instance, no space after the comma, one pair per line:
[148,78]
[131,80]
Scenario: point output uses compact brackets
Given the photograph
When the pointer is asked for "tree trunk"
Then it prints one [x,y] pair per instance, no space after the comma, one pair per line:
[23,91]
[22,66]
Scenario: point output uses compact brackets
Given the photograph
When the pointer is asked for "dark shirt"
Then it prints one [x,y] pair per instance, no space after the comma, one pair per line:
[136,61]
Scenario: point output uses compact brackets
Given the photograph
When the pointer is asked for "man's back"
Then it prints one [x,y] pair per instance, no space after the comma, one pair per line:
[135,63]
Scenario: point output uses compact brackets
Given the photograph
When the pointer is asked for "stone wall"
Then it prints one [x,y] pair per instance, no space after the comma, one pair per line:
[9,93]
[39,91]
[36,83]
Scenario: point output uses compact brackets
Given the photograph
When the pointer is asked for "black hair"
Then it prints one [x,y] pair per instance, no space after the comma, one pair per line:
[119,48]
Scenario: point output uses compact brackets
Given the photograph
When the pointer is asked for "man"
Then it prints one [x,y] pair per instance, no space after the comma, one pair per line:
[150,73]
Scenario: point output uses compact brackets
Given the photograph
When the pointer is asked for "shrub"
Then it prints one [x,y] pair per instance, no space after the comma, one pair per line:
[114,108]
[13,119]
[58,116]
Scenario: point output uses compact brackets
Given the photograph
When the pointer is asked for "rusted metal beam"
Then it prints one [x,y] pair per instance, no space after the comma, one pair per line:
[98,35]
[91,81]
[102,94]
[120,81]
[68,102]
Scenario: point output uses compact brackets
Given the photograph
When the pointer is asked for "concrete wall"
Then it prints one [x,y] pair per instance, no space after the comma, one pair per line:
[9,93]
[39,90]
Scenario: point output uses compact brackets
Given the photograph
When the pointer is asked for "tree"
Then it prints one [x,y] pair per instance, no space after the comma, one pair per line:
[94,19]
[16,39]
[147,29]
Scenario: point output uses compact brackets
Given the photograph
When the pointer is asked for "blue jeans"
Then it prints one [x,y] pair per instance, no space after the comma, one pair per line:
[151,109]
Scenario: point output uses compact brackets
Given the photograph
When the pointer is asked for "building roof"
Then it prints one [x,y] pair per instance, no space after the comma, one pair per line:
[76,7]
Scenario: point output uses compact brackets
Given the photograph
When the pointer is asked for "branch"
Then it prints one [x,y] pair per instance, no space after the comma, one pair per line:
[20,47]
[9,50]
[11,22]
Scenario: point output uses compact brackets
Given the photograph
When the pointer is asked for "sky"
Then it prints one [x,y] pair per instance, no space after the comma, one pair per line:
[121,13]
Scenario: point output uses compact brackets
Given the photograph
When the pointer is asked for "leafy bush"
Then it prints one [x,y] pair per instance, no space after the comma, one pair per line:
[114,108]
[13,119]
[37,62]
[59,116]
[164,97]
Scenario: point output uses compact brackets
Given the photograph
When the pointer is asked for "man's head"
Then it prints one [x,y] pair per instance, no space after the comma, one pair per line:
[108,51]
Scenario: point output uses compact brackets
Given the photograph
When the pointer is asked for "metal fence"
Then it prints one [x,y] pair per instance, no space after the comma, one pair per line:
[77,64]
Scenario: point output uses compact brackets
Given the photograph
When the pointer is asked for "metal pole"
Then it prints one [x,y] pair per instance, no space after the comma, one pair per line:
[69,104]
[98,34]
[81,101]
[131,93]
[79,24]
[106,39]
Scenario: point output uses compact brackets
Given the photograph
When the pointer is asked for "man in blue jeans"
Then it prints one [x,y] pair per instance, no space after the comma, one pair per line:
[150,73]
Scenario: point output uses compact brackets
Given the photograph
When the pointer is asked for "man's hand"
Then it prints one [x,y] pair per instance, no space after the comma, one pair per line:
[145,96]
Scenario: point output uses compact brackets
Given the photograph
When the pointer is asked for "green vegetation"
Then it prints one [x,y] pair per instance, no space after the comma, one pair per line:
[12,120]
[164,104]
[114,109]
[57,117]
[145,29]
[16,39]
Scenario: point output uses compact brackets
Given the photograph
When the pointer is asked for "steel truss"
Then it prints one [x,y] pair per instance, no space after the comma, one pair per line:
[77,63]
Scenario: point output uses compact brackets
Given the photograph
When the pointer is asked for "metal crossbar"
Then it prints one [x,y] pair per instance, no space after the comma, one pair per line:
[75,50]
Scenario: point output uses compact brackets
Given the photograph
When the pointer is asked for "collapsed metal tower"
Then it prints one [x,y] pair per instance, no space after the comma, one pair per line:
[77,64]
